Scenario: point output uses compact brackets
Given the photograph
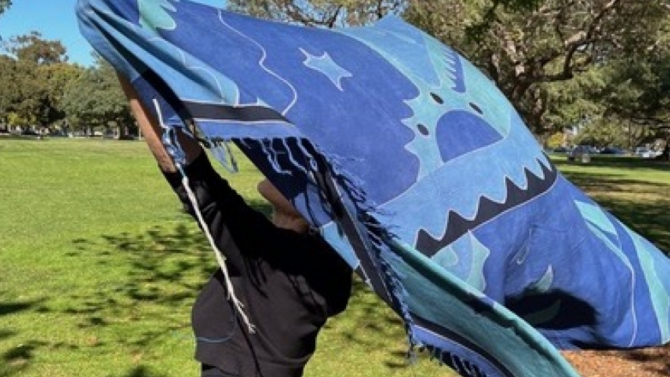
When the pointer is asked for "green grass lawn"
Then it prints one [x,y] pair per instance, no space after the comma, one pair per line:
[99,268]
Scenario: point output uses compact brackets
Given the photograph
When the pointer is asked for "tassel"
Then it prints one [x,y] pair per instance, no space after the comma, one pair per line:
[175,151]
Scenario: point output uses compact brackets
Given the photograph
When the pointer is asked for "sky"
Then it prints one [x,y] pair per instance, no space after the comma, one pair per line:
[55,20]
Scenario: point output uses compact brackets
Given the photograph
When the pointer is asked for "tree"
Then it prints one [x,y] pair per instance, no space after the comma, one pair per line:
[639,94]
[57,77]
[607,132]
[334,13]
[35,70]
[4,4]
[627,93]
[95,99]
[527,48]
[343,12]
[34,49]
[9,91]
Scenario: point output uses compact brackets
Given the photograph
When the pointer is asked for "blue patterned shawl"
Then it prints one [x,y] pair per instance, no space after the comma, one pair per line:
[414,167]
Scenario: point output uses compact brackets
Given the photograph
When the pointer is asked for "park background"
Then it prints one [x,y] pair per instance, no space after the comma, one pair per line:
[99,266]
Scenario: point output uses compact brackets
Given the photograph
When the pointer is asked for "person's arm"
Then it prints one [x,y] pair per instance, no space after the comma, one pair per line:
[225,212]
[152,130]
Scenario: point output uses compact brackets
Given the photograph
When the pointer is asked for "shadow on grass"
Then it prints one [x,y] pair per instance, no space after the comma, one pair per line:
[147,281]
[7,308]
[136,294]
[641,205]
[157,275]
[4,334]
[158,271]
[134,297]
[369,311]
[651,221]
[141,371]
[16,359]
[609,183]
[370,323]
[628,163]
[165,267]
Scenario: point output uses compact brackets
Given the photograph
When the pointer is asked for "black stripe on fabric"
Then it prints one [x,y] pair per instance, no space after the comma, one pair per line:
[163,90]
[200,110]
[488,209]
[368,269]
[461,364]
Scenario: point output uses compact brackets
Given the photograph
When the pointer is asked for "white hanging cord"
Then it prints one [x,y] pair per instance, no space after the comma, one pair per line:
[239,306]
[219,257]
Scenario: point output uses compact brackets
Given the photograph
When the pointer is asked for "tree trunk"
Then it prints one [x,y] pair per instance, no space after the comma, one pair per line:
[123,130]
[665,156]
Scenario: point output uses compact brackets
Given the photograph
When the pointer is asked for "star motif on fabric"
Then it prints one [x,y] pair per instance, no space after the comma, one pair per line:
[327,66]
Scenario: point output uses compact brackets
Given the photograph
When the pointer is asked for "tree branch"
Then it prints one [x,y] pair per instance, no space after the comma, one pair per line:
[330,21]
[583,38]
[380,9]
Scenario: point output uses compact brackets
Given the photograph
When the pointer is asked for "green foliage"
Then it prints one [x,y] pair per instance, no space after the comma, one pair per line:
[550,57]
[575,102]
[562,63]
[40,88]
[528,47]
[36,71]
[4,4]
[640,90]
[32,48]
[555,140]
[326,13]
[331,13]
[9,90]
[95,99]
[604,133]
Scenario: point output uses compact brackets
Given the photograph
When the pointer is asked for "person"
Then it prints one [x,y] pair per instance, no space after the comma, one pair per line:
[288,279]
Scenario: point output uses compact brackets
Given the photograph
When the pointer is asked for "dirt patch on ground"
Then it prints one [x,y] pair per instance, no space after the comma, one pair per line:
[648,362]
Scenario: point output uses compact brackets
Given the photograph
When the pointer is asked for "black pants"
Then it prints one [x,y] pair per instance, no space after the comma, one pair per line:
[210,371]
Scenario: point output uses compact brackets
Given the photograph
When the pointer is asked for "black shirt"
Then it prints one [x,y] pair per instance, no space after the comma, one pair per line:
[289,283]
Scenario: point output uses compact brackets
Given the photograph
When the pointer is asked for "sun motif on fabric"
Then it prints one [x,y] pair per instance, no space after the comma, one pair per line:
[456,98]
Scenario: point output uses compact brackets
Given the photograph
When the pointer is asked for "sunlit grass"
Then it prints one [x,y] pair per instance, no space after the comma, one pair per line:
[99,269]
[99,266]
